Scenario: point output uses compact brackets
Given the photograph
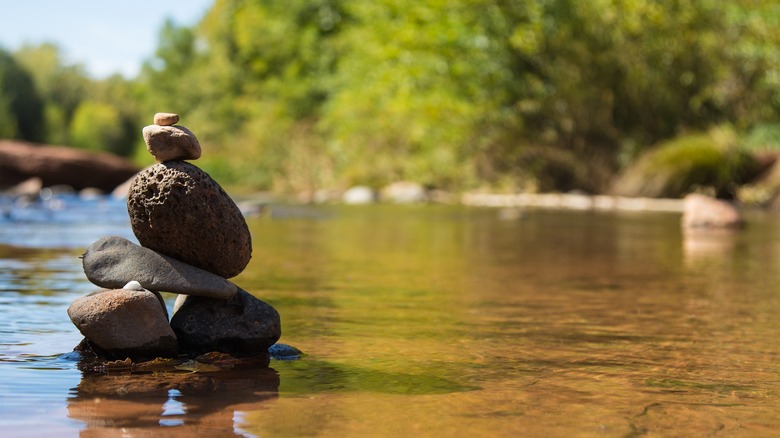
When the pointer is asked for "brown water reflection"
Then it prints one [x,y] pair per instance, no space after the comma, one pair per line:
[558,324]
[169,404]
[445,321]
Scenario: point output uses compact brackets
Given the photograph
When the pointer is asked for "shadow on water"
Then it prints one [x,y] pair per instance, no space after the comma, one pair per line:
[313,376]
[133,403]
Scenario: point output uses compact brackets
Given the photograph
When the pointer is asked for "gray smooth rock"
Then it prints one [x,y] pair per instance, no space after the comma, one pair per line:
[178,210]
[167,143]
[111,262]
[242,325]
[124,323]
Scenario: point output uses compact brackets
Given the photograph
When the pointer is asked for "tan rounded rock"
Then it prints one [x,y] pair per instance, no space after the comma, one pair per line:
[125,323]
[167,143]
[166,119]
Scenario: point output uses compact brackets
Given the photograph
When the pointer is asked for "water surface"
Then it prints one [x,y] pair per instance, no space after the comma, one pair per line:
[427,321]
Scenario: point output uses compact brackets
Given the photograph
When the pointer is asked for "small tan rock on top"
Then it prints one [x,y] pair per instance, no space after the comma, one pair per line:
[166,119]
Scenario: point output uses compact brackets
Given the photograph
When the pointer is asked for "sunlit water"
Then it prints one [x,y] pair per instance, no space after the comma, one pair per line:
[425,321]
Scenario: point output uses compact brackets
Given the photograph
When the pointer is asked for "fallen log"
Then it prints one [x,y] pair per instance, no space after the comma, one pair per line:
[61,165]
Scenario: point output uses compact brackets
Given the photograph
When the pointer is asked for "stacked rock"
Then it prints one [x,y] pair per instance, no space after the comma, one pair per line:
[192,239]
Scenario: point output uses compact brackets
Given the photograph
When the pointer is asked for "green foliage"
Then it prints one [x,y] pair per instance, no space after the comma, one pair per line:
[8,124]
[697,161]
[97,127]
[527,95]
[124,99]
[455,94]
[411,95]
[21,108]
[72,102]
[763,138]
[602,80]
[61,86]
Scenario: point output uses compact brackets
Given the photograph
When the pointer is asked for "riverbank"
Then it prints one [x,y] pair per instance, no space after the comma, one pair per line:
[573,201]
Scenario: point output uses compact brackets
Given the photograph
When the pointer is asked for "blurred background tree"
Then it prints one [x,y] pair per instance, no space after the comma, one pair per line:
[21,107]
[73,109]
[62,87]
[527,95]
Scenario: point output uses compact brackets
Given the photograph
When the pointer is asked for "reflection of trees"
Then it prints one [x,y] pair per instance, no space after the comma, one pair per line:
[138,404]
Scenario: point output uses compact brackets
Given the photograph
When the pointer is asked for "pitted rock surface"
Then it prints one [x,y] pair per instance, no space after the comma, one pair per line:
[113,261]
[242,325]
[178,210]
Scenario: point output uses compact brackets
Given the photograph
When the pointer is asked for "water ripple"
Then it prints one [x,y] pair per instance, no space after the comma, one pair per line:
[62,221]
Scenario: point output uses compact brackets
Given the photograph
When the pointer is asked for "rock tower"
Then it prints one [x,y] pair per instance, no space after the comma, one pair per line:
[193,238]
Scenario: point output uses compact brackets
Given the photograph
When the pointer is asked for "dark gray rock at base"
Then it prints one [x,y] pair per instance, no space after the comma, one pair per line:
[241,325]
[111,262]
[179,210]
[124,323]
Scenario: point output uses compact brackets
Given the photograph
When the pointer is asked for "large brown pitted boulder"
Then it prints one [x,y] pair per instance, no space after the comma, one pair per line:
[178,210]
[55,165]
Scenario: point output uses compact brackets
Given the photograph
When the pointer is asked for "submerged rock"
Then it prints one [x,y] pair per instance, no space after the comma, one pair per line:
[124,323]
[113,261]
[284,352]
[30,187]
[702,211]
[241,325]
[179,210]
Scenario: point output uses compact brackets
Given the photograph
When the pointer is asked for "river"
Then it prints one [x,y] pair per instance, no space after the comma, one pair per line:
[424,321]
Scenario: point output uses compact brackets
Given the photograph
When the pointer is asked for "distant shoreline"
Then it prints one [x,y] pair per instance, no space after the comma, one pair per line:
[571,201]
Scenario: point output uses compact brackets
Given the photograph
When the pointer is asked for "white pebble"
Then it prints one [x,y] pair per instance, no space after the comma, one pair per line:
[133,285]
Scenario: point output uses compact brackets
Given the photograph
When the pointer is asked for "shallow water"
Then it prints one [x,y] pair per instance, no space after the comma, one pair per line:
[426,321]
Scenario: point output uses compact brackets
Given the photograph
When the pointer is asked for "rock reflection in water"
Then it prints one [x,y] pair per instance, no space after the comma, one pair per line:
[707,245]
[130,404]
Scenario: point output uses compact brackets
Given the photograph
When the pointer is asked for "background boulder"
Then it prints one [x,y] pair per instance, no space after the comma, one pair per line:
[55,165]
